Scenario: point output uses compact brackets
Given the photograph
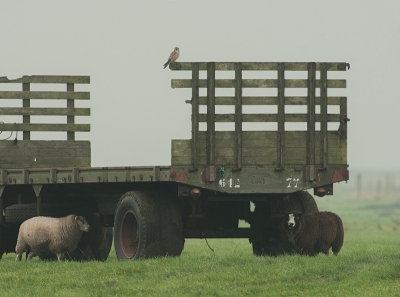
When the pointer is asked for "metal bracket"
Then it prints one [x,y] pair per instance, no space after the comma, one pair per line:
[310,173]
[210,173]
[3,174]
[37,189]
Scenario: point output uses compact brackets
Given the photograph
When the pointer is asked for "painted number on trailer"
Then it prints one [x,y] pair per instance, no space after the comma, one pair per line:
[231,183]
[292,181]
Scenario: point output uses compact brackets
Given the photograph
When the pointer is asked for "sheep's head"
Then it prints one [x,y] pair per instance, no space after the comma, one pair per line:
[82,223]
[291,220]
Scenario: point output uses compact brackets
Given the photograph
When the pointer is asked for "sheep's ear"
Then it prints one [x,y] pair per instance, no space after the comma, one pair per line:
[76,218]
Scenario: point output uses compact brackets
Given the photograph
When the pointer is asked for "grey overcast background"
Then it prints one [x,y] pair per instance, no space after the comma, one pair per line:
[122,45]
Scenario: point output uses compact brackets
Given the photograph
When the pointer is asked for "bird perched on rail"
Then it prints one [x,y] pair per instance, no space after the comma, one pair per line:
[173,56]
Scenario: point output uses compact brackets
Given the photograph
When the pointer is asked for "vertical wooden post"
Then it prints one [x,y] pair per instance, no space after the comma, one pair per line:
[195,116]
[324,115]
[26,103]
[70,119]
[281,116]
[311,113]
[238,115]
[343,118]
[211,121]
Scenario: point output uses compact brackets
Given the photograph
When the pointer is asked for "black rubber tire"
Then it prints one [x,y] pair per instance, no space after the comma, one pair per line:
[137,227]
[18,213]
[8,239]
[104,251]
[308,202]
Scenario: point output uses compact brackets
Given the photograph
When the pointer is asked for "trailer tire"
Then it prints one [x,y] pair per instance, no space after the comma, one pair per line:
[136,227]
[104,251]
[308,202]
[8,239]
[18,213]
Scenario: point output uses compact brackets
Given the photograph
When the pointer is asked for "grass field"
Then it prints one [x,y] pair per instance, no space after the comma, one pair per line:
[368,265]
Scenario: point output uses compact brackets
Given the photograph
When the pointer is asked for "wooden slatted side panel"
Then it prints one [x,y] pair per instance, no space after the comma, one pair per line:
[27,96]
[259,147]
[44,154]
[280,147]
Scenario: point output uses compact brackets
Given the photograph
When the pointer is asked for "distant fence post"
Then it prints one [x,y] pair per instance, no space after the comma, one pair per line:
[359,185]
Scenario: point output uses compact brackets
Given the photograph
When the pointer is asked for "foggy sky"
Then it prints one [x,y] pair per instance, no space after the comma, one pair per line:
[122,45]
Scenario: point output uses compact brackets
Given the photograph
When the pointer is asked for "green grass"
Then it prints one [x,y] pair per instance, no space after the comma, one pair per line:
[368,265]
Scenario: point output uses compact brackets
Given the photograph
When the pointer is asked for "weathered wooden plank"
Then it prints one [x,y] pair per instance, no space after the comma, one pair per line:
[260,135]
[195,115]
[26,103]
[311,85]
[70,104]
[24,161]
[44,154]
[218,135]
[281,116]
[44,95]
[256,83]
[260,147]
[182,161]
[269,153]
[249,118]
[324,116]
[295,156]
[44,111]
[48,79]
[299,139]
[245,118]
[45,127]
[181,147]
[259,66]
[210,142]
[238,115]
[267,139]
[261,161]
[45,144]
[259,100]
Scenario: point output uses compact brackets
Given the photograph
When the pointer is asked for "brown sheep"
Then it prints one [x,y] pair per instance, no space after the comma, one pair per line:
[312,233]
[44,235]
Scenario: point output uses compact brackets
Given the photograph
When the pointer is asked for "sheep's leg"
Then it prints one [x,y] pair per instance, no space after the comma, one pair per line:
[61,257]
[18,257]
[31,255]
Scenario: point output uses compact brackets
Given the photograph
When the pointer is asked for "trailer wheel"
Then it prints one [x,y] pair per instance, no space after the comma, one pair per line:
[8,239]
[307,201]
[136,227]
[265,229]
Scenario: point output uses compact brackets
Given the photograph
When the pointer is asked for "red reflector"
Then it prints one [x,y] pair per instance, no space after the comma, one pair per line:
[337,176]
[345,173]
[173,174]
[181,177]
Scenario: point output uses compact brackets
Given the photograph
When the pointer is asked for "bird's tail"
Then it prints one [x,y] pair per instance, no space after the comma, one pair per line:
[166,64]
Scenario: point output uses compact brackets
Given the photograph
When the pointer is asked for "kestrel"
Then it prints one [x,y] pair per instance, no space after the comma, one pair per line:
[172,57]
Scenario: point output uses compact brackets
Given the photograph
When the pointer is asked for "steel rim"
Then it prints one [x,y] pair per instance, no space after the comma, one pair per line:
[129,239]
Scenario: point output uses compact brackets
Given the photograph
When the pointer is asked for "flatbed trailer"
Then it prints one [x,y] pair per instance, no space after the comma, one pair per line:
[216,178]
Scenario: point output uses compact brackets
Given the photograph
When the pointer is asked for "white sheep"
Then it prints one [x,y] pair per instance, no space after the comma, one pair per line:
[44,235]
